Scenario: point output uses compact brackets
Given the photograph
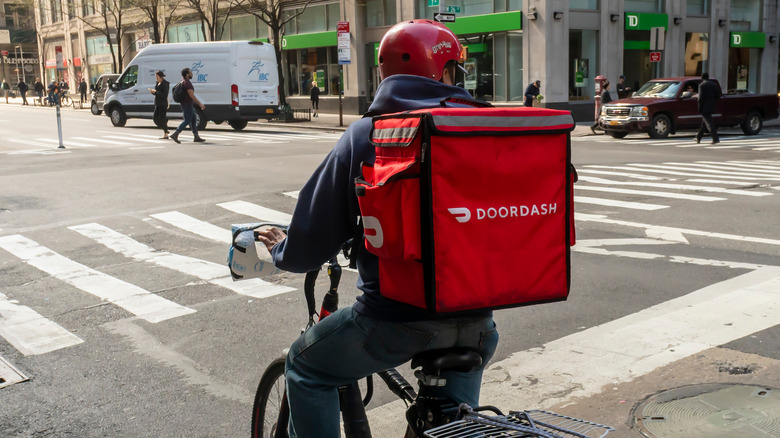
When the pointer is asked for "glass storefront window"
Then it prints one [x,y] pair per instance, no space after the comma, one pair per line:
[318,18]
[745,15]
[587,5]
[186,33]
[334,15]
[697,7]
[467,7]
[636,59]
[583,62]
[644,5]
[242,28]
[304,66]
[696,53]
[380,13]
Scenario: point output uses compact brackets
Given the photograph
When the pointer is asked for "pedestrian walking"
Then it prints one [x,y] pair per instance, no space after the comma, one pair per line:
[709,94]
[532,92]
[315,98]
[83,90]
[160,92]
[606,97]
[6,89]
[622,89]
[39,89]
[187,108]
[22,86]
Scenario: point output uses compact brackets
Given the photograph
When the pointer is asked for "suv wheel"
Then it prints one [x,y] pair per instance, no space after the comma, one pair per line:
[753,123]
[660,127]
[118,117]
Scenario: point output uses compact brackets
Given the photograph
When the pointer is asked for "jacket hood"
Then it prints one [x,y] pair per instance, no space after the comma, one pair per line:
[408,92]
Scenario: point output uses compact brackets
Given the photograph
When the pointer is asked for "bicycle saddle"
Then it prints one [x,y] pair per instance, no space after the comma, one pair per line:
[458,359]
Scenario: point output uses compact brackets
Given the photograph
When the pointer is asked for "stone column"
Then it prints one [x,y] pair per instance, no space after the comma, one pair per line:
[611,41]
[769,56]
[546,48]
[719,41]
[674,45]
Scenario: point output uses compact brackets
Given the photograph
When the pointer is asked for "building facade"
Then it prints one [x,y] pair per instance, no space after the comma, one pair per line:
[18,48]
[509,43]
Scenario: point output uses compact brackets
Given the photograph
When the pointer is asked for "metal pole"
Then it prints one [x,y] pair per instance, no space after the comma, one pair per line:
[59,124]
[341,91]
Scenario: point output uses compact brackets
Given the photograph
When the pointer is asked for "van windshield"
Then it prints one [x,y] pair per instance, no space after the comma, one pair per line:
[658,89]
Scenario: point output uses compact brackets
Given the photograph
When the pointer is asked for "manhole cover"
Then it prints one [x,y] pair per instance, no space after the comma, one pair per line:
[712,411]
[9,375]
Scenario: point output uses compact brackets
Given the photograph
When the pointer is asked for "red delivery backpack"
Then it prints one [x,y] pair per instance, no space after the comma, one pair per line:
[470,208]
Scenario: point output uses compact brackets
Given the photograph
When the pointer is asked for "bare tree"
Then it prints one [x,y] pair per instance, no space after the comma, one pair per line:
[159,12]
[271,12]
[212,18]
[109,20]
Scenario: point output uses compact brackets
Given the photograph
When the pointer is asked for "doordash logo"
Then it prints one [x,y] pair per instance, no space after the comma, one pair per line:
[463,214]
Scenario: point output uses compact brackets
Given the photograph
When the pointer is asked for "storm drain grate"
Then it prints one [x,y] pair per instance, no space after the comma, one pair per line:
[10,375]
[711,410]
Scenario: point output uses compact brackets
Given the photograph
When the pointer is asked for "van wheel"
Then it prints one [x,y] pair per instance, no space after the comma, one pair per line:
[660,127]
[200,119]
[238,124]
[95,109]
[118,117]
[752,124]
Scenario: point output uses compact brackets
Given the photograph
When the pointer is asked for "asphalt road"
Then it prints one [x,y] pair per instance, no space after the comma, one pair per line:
[663,228]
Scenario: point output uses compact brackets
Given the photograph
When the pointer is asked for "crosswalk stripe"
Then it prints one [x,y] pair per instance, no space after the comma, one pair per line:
[773,148]
[66,142]
[27,142]
[671,172]
[710,189]
[134,299]
[717,181]
[293,194]
[31,333]
[257,211]
[97,140]
[142,140]
[669,195]
[685,167]
[630,175]
[211,272]
[620,204]
[747,164]
[195,226]
[727,167]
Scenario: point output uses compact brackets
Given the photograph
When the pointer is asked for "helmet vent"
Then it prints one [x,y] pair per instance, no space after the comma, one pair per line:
[405,57]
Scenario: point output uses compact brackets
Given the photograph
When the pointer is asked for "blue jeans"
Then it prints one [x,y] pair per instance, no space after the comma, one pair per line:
[188,111]
[347,346]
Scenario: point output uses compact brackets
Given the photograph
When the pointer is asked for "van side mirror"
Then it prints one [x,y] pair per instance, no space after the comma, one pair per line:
[114,86]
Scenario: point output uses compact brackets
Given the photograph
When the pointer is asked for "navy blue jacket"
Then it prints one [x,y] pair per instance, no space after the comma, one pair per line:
[327,210]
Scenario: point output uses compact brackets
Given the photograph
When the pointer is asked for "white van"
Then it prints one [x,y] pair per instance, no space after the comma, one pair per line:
[236,80]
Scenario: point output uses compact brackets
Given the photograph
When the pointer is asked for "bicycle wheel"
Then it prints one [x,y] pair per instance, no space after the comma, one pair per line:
[270,400]
[65,101]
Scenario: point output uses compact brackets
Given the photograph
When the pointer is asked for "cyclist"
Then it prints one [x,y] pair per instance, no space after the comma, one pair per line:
[417,63]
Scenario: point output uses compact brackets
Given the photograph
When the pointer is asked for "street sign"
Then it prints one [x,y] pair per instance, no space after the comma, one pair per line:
[433,3]
[5,36]
[453,9]
[342,42]
[657,38]
[655,56]
[444,17]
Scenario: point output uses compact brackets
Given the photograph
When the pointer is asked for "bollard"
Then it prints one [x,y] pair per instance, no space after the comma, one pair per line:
[59,125]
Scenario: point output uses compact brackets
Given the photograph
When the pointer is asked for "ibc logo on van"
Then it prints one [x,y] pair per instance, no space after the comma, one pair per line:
[196,74]
[257,66]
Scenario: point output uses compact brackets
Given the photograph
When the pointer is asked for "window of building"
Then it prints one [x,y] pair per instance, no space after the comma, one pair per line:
[380,13]
[56,10]
[583,63]
[71,9]
[318,18]
[745,15]
[507,5]
[585,5]
[87,8]
[644,5]
[697,7]
[467,7]
[241,28]
[185,33]
[696,53]
[305,66]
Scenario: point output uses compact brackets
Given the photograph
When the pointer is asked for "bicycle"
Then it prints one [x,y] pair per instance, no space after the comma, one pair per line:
[427,415]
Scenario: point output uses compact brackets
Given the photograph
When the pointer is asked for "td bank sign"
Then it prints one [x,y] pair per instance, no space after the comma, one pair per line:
[644,21]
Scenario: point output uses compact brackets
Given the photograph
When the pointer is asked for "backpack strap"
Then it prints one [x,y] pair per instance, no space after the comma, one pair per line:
[465,101]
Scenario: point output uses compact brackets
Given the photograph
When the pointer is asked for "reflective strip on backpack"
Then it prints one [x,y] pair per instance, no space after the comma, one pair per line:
[466,123]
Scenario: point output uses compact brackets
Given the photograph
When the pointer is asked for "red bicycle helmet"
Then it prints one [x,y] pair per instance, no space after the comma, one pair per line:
[417,47]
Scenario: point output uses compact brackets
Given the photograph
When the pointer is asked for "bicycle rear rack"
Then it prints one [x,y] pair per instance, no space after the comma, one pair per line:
[533,423]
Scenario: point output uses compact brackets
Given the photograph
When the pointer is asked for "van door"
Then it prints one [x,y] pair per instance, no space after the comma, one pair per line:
[128,88]
[146,83]
[257,80]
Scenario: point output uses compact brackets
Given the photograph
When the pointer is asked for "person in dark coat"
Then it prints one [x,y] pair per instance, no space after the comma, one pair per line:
[160,92]
[622,89]
[709,94]
[39,89]
[606,97]
[83,90]
[315,98]
[22,86]
[532,92]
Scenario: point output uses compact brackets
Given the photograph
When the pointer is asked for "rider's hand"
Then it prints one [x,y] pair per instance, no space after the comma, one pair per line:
[270,237]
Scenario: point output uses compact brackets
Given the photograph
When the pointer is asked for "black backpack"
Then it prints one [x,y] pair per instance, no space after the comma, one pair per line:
[178,92]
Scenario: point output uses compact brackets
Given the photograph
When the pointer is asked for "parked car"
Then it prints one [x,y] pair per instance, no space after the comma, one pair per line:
[99,92]
[665,106]
[237,81]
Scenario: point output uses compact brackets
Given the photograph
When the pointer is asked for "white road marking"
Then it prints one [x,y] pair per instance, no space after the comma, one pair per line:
[66,143]
[670,172]
[195,226]
[132,298]
[750,164]
[715,181]
[27,142]
[31,333]
[38,152]
[257,211]
[583,363]
[730,167]
[604,220]
[139,148]
[597,180]
[97,140]
[668,195]
[620,204]
[132,138]
[293,194]
[211,272]
[630,175]
[687,168]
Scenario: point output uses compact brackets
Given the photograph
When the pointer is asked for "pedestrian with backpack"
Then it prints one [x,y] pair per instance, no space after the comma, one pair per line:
[184,93]
[417,63]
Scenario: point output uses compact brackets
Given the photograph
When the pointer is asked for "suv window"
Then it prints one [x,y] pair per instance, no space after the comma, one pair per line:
[130,77]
